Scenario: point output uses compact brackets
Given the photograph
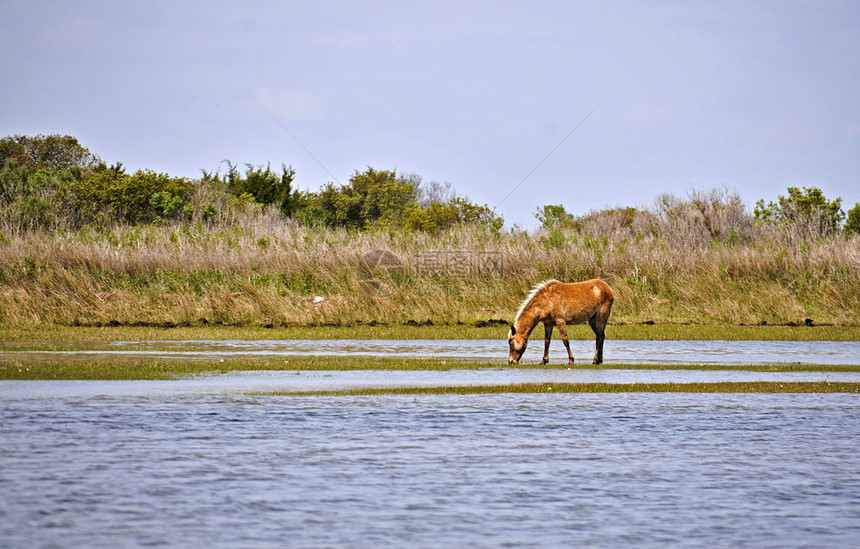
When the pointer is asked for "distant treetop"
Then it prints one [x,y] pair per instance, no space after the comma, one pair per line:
[45,152]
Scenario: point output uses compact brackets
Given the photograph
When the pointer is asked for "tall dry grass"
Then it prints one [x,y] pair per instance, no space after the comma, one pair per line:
[678,263]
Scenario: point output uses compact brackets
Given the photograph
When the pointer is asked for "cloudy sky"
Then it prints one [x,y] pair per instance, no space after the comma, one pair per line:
[516,104]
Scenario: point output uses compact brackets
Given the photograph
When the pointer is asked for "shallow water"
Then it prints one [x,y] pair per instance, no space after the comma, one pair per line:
[209,460]
[644,470]
[270,381]
[485,350]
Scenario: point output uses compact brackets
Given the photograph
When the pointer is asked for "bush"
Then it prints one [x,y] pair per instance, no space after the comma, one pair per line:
[554,216]
[371,198]
[852,226]
[110,194]
[51,152]
[807,211]
[439,216]
[32,200]
[165,204]
[381,198]
[714,216]
[14,183]
[263,185]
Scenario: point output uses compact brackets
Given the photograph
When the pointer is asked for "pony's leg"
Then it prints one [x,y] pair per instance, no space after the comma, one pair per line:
[598,348]
[546,339]
[562,328]
[598,326]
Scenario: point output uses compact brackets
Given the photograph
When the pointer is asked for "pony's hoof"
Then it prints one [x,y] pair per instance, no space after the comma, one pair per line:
[570,361]
[544,361]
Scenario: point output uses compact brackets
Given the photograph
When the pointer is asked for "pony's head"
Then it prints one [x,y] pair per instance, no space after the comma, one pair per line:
[517,344]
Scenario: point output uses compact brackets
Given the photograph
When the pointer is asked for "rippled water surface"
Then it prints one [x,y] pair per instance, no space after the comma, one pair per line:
[279,381]
[207,460]
[646,470]
[488,350]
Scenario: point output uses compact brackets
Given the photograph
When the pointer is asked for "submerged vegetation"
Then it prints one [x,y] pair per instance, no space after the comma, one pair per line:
[87,244]
[106,367]
[562,388]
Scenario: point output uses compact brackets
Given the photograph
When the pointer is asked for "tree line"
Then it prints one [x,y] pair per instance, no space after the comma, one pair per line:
[53,181]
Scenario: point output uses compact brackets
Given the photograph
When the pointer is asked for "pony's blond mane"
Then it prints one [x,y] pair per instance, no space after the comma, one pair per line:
[539,287]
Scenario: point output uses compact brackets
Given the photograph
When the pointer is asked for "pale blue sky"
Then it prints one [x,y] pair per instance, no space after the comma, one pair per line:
[754,96]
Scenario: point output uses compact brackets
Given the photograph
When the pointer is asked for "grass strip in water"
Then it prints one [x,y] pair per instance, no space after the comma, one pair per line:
[95,367]
[561,388]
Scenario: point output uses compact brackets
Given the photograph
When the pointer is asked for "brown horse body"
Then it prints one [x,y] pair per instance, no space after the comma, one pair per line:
[555,303]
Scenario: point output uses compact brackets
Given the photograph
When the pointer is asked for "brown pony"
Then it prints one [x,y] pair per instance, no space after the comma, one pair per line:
[558,304]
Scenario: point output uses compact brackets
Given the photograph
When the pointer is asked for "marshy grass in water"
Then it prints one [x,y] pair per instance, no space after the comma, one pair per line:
[96,368]
[562,388]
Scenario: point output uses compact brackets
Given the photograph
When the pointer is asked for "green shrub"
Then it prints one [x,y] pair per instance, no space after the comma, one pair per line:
[165,204]
[31,200]
[439,216]
[852,226]
[262,185]
[207,212]
[554,216]
[45,152]
[808,210]
[110,194]
[372,197]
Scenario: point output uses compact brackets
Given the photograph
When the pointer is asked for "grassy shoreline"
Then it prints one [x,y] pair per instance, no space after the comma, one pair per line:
[278,273]
[46,335]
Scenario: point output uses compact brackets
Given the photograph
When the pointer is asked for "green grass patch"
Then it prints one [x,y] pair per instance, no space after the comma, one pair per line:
[662,332]
[110,368]
[706,332]
[556,388]
[105,370]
